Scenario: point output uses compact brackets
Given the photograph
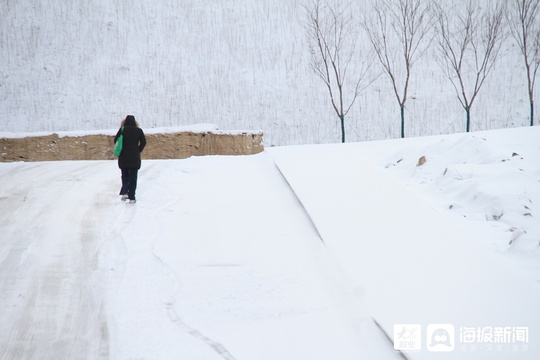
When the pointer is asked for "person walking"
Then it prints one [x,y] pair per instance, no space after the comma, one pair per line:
[129,160]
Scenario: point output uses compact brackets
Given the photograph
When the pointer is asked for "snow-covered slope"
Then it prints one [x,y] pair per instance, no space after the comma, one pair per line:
[242,65]
[409,255]
[220,259]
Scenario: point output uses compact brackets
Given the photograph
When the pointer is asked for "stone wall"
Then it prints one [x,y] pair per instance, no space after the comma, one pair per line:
[159,146]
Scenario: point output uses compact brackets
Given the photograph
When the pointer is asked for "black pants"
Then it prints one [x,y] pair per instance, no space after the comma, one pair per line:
[129,182]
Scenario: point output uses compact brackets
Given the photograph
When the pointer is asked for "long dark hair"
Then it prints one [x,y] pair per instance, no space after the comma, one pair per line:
[130,121]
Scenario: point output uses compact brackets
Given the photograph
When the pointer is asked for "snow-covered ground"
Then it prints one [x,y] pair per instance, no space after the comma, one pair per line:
[295,253]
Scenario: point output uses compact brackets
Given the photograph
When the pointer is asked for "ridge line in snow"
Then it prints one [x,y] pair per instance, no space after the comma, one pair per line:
[299,201]
[381,329]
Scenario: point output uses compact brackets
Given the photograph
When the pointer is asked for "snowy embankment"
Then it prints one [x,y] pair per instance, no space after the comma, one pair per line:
[219,260]
[392,226]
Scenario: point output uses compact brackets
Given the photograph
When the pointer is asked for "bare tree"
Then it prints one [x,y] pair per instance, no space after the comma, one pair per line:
[524,20]
[332,44]
[399,25]
[469,43]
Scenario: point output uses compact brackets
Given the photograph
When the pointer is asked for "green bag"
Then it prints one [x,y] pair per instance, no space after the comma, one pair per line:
[119,143]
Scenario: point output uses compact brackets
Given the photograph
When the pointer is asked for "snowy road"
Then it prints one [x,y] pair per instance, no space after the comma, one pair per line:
[217,260]
[51,302]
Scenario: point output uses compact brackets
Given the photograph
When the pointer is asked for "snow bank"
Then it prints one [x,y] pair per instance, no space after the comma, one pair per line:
[389,223]
[488,179]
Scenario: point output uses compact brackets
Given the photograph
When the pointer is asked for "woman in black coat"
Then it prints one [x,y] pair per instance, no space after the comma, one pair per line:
[129,160]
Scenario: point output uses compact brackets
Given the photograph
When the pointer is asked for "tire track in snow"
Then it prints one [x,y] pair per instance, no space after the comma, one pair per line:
[142,247]
[175,318]
[217,347]
[53,288]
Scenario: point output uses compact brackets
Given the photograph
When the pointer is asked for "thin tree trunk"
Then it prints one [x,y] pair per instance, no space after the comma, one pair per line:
[342,118]
[468,119]
[532,113]
[402,122]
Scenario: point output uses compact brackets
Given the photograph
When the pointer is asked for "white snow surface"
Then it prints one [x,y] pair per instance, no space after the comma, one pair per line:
[293,253]
[195,128]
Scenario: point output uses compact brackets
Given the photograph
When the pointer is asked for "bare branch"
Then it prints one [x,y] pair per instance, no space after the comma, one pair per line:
[403,24]
[469,50]
[524,20]
[332,44]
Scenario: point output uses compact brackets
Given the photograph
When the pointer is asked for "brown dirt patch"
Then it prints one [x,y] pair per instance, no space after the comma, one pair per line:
[99,147]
